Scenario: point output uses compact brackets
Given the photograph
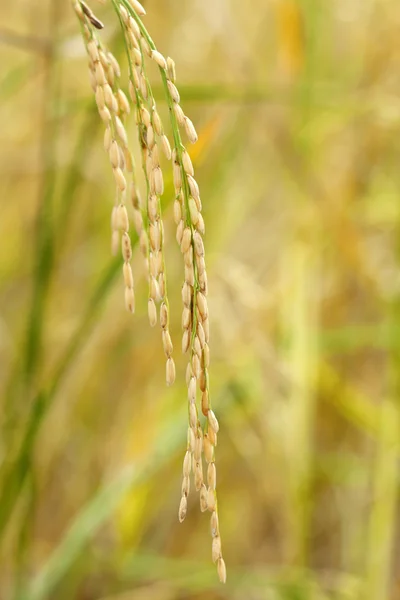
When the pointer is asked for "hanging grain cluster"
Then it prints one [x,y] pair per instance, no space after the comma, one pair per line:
[114,108]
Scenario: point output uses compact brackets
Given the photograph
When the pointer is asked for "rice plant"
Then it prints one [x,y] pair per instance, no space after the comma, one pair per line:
[114,109]
[296,107]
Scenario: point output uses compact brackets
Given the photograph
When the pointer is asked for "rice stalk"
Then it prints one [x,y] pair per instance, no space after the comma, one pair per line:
[114,107]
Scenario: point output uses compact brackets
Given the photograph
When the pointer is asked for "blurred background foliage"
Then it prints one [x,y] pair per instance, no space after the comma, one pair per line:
[297,105]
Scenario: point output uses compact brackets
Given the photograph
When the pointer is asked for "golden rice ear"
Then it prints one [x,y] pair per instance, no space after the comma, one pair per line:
[114,107]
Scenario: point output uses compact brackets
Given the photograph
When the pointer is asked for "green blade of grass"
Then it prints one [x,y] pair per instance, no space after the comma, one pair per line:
[13,474]
[95,513]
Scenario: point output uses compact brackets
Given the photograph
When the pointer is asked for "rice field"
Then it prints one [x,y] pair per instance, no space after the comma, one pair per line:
[295,108]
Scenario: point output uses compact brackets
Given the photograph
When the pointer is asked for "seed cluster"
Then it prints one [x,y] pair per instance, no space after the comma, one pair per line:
[113,108]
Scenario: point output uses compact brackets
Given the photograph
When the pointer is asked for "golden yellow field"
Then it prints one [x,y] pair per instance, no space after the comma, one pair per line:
[297,108]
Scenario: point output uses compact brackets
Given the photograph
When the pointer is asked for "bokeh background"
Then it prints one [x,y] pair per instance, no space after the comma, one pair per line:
[298,110]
